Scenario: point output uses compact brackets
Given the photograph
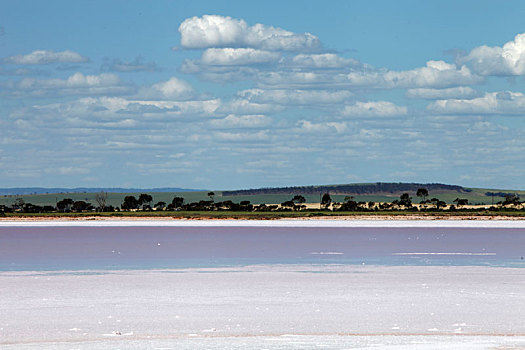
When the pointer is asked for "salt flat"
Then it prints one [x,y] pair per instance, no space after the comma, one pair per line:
[266,306]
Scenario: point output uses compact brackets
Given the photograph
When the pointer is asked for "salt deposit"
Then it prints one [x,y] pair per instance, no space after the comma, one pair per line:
[334,306]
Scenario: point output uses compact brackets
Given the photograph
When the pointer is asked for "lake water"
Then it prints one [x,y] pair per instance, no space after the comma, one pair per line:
[115,248]
[131,286]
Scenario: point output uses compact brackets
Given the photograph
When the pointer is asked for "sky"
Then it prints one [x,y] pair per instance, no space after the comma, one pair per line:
[240,94]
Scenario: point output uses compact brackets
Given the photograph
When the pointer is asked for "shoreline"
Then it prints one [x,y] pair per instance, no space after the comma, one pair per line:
[205,217]
[368,221]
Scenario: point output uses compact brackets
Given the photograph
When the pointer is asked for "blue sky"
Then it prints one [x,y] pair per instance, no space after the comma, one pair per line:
[237,94]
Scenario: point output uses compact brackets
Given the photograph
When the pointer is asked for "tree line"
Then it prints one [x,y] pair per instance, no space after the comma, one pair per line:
[144,202]
[350,189]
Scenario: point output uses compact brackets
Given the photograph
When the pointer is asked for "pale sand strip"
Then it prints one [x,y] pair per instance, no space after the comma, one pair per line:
[351,222]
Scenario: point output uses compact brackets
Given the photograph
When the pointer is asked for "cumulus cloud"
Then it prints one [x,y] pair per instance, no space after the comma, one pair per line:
[94,112]
[437,74]
[241,137]
[296,97]
[173,89]
[374,109]
[219,73]
[460,92]
[244,106]
[219,31]
[240,56]
[302,79]
[47,57]
[76,84]
[324,127]
[233,121]
[324,60]
[491,103]
[143,109]
[137,65]
[506,60]
[270,67]
[187,109]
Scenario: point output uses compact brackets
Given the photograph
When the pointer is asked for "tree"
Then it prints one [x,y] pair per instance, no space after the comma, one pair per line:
[211,195]
[459,202]
[177,202]
[326,200]
[298,199]
[160,205]
[288,204]
[18,204]
[349,198]
[438,203]
[65,204]
[405,200]
[513,199]
[80,206]
[422,192]
[130,202]
[145,198]
[5,209]
[31,208]
[349,205]
[101,198]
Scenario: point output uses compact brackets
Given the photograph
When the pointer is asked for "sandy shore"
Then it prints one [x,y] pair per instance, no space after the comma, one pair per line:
[316,218]
[299,222]
[222,304]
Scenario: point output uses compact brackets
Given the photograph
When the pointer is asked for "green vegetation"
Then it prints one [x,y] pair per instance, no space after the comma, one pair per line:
[447,199]
[196,215]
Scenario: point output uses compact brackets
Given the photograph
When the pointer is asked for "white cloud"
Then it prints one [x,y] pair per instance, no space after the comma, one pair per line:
[137,65]
[506,60]
[302,79]
[311,127]
[437,74]
[491,103]
[172,89]
[219,74]
[486,128]
[243,106]
[242,121]
[240,56]
[219,31]
[296,97]
[325,60]
[76,84]
[374,109]
[117,111]
[460,92]
[241,137]
[185,109]
[270,67]
[47,57]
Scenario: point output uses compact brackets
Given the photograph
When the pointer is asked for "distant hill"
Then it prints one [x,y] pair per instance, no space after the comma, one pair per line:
[352,189]
[43,190]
